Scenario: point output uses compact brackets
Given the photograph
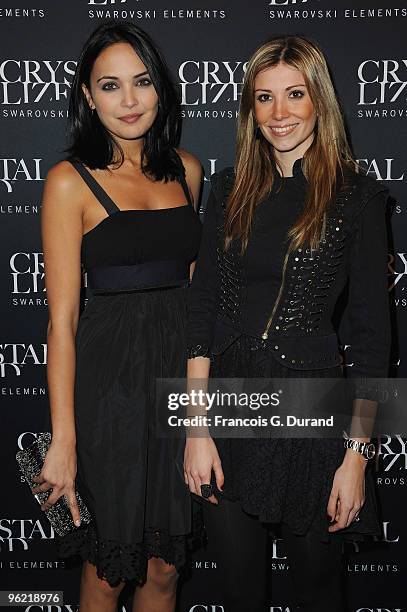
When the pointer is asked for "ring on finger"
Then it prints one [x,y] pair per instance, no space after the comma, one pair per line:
[206,491]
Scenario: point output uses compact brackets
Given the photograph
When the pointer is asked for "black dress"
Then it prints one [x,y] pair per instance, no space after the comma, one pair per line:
[132,331]
[278,480]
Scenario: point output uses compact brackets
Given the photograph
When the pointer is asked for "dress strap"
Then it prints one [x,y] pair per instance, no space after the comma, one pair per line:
[97,190]
[182,179]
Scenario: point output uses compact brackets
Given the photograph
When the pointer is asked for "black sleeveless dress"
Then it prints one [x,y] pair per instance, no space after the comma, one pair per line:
[132,331]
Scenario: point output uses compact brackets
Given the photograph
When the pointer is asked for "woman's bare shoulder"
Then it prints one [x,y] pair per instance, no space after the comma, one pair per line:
[191,163]
[63,176]
[64,185]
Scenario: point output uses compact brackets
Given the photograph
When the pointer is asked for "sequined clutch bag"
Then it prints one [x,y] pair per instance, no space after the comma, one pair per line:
[30,461]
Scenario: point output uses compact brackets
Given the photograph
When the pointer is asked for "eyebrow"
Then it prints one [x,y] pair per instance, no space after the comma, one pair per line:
[286,89]
[115,78]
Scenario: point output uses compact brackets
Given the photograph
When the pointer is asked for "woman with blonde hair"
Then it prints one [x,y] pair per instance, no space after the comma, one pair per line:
[287,231]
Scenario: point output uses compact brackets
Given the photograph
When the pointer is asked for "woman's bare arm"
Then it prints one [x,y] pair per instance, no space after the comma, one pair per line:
[62,229]
[61,237]
[201,455]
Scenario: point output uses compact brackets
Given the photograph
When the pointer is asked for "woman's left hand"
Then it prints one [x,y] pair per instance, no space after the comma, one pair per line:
[348,491]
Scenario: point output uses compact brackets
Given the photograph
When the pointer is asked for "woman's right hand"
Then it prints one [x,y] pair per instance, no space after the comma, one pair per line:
[200,458]
[58,473]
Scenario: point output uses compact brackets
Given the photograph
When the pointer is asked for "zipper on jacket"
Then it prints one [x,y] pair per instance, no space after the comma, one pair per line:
[269,322]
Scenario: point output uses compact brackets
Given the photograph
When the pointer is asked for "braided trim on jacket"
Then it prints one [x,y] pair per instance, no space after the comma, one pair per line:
[229,262]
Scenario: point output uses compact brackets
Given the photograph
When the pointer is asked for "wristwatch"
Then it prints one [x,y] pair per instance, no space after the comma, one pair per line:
[366,449]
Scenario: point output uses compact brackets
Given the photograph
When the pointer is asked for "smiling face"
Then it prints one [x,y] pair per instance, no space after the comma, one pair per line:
[284,112]
[122,93]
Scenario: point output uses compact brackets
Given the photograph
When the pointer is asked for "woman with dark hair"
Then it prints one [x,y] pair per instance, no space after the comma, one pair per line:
[287,231]
[122,205]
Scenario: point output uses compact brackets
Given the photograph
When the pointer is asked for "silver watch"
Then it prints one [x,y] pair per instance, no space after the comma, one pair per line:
[366,449]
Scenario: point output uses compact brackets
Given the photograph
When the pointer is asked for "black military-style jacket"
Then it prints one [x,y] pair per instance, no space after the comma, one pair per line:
[299,331]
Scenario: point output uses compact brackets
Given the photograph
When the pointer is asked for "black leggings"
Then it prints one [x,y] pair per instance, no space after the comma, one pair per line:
[243,553]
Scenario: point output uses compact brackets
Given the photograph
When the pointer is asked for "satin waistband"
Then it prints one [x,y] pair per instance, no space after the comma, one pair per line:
[138,277]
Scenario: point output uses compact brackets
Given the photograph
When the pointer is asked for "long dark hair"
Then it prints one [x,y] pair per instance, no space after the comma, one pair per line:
[91,142]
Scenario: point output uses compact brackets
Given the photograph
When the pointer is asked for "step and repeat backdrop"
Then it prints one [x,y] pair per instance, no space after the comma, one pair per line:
[207,44]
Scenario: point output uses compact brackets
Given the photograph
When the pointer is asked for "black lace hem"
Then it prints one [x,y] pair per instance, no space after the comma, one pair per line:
[118,562]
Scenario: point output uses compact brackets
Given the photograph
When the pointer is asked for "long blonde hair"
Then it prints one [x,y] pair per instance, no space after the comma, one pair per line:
[324,162]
